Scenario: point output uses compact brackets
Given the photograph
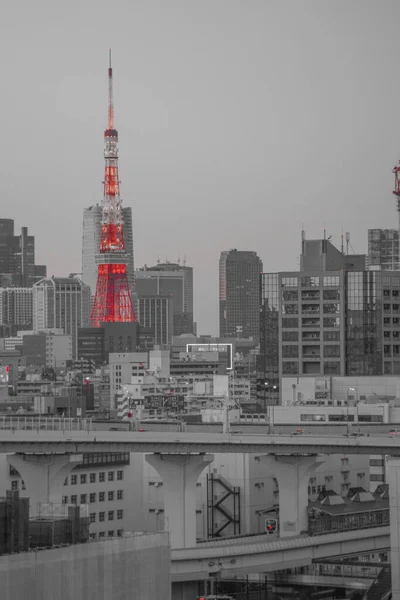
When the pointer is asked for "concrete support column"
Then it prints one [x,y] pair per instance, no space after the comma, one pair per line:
[393,479]
[180,473]
[293,475]
[43,475]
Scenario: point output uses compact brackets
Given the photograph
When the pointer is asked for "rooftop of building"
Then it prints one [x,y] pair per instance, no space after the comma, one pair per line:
[357,500]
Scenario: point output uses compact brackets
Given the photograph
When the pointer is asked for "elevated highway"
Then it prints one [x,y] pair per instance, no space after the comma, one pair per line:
[78,442]
[229,558]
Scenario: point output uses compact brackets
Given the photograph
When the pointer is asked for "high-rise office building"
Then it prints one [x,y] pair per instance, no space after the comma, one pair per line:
[174,280]
[17,257]
[330,318]
[61,303]
[156,313]
[383,250]
[6,246]
[15,310]
[239,293]
[91,235]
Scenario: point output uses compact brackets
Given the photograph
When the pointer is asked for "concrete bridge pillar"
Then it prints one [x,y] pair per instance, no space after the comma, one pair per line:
[393,479]
[293,475]
[43,475]
[180,473]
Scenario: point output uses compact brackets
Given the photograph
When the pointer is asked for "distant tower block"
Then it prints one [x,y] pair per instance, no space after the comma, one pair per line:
[112,302]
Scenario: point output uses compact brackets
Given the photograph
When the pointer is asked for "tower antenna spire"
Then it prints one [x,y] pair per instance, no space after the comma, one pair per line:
[110,95]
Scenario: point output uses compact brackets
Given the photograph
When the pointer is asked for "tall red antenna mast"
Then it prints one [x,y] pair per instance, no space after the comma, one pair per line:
[112,301]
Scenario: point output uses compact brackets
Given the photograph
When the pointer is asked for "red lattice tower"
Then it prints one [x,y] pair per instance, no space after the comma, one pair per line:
[112,302]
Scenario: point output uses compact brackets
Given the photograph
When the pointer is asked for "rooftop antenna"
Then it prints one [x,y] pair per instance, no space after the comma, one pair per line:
[184,260]
[342,242]
[158,259]
[324,230]
[179,259]
[348,243]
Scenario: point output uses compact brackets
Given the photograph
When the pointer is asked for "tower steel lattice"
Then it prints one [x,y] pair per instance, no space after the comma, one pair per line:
[112,301]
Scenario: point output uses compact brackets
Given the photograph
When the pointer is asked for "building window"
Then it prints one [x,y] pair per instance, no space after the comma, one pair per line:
[102,477]
[93,517]
[110,496]
[290,323]
[74,479]
[92,477]
[376,462]
[120,514]
[111,515]
[290,351]
[110,475]
[377,477]
[66,481]
[290,368]
[92,498]
[111,534]
[120,475]
[73,499]
[102,534]
[14,485]
[332,351]
[290,281]
[290,336]
[102,516]
[83,499]
[65,499]
[83,477]
[120,532]
[120,494]
[331,281]
[101,496]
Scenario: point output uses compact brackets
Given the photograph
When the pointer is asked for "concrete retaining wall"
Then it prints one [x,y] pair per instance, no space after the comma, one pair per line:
[134,568]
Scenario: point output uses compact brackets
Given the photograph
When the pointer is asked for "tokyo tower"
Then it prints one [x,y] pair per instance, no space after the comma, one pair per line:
[112,302]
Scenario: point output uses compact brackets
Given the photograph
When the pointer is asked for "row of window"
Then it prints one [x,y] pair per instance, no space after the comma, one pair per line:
[102,534]
[314,309]
[293,368]
[341,418]
[105,458]
[311,352]
[83,478]
[329,336]
[313,281]
[293,323]
[111,496]
[389,321]
[102,516]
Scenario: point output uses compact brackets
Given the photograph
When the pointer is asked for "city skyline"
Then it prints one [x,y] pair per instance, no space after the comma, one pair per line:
[293,123]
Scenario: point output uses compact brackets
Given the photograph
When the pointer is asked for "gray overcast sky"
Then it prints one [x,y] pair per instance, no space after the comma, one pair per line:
[239,120]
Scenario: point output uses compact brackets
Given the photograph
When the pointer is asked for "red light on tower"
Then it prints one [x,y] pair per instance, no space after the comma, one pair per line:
[112,302]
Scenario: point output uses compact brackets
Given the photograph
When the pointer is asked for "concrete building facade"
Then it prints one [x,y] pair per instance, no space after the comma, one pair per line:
[332,318]
[61,302]
[156,313]
[383,249]
[16,309]
[173,280]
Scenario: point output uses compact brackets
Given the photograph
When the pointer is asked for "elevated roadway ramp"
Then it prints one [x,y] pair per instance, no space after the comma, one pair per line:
[230,558]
